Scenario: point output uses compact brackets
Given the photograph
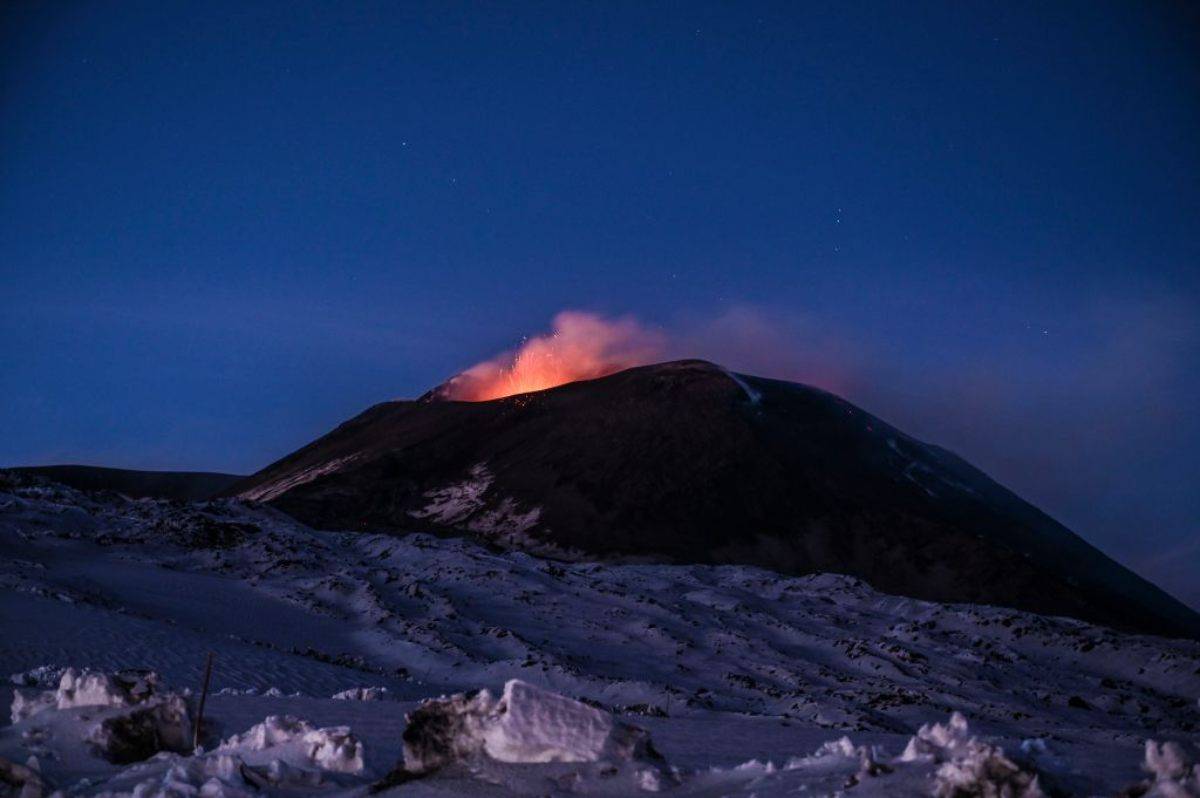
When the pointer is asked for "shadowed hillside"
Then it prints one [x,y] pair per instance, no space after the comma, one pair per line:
[180,485]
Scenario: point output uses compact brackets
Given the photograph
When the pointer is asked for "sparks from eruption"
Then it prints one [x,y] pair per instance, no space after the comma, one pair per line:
[580,346]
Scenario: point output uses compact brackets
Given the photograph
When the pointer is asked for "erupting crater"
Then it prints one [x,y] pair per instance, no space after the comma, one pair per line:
[580,346]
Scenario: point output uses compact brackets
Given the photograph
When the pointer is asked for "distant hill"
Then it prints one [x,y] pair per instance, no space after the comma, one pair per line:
[180,485]
[687,463]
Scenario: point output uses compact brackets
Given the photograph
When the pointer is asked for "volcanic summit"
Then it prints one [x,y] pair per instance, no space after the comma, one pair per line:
[686,462]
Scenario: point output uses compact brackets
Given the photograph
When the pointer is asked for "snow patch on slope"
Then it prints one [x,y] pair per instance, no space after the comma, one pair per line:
[754,396]
[457,501]
[465,505]
[363,694]
[273,490]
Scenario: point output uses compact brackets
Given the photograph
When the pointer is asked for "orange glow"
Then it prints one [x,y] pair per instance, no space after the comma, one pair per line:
[581,346]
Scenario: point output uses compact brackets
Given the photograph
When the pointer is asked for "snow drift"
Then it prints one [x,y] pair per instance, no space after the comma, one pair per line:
[719,663]
[127,720]
[527,740]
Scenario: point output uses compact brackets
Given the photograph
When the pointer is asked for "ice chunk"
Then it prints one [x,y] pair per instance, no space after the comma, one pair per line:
[539,726]
[935,740]
[334,748]
[89,689]
[525,725]
[86,689]
[1174,773]
[968,766]
[445,730]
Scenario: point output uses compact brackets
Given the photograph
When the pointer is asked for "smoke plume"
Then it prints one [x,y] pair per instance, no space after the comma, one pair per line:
[580,346]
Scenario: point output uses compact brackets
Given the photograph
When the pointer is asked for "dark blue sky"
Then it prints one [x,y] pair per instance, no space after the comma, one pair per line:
[227,226]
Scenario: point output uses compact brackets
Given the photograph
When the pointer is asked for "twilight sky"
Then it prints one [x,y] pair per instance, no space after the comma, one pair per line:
[227,226]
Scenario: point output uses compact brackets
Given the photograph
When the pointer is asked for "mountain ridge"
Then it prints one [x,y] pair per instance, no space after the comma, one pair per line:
[136,483]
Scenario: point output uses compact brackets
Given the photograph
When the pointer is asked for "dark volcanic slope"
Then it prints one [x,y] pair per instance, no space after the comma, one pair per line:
[685,462]
[181,485]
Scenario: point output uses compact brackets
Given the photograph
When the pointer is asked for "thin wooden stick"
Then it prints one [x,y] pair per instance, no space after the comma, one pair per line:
[203,696]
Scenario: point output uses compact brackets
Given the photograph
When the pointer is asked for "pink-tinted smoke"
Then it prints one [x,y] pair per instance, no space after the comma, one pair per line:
[580,346]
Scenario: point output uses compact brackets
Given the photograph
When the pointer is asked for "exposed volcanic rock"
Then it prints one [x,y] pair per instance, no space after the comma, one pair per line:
[686,462]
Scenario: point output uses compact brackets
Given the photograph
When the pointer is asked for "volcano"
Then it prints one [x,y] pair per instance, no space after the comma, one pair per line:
[686,462]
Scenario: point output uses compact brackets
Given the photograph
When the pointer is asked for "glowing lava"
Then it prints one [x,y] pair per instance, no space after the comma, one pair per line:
[581,346]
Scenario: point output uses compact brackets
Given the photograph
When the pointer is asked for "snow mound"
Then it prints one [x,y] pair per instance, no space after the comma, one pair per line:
[363,694]
[524,725]
[334,748]
[139,722]
[1174,774]
[281,754]
[83,689]
[968,766]
[274,730]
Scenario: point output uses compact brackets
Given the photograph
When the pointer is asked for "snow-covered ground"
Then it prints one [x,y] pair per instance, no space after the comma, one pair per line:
[746,681]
